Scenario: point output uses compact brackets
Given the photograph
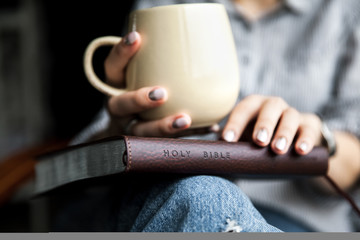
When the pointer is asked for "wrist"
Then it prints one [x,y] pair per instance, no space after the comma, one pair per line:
[328,139]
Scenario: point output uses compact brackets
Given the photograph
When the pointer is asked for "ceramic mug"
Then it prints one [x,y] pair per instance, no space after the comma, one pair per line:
[189,50]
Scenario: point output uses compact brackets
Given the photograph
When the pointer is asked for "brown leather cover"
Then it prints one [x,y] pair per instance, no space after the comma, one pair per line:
[168,155]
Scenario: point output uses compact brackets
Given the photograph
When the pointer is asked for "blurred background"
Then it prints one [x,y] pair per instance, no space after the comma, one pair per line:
[45,99]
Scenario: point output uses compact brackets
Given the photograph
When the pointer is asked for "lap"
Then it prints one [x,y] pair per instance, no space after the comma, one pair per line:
[161,203]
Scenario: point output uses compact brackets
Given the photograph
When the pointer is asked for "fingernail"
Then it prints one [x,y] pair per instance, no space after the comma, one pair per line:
[303,147]
[180,122]
[262,135]
[215,128]
[281,144]
[131,38]
[157,94]
[229,136]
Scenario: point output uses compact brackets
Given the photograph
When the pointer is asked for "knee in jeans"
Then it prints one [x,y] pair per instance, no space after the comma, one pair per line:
[213,198]
[206,189]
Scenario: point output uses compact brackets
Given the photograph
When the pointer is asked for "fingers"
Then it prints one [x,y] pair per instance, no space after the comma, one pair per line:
[287,128]
[118,58]
[269,115]
[124,106]
[277,124]
[163,127]
[242,114]
[134,102]
[309,134]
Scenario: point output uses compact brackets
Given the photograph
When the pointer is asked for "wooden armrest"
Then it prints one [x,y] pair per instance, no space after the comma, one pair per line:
[18,168]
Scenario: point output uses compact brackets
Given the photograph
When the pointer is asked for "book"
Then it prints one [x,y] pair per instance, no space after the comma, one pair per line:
[136,155]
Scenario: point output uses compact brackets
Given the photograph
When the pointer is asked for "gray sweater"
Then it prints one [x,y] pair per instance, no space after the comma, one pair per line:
[306,52]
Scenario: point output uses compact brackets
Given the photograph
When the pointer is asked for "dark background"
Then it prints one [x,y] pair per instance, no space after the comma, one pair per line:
[68,27]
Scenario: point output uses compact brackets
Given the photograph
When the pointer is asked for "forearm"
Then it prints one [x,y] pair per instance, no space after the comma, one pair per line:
[344,166]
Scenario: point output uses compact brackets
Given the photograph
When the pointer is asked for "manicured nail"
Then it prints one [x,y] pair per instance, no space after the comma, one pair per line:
[229,136]
[180,122]
[157,94]
[281,144]
[215,128]
[303,147]
[131,38]
[262,135]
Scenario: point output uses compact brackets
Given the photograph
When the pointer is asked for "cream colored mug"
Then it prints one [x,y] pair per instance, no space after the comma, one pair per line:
[189,50]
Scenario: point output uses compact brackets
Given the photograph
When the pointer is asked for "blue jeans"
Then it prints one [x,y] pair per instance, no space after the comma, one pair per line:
[172,204]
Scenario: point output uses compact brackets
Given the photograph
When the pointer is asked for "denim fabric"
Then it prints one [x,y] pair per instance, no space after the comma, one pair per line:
[199,204]
[184,204]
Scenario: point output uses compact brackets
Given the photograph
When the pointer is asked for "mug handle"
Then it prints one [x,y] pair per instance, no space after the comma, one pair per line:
[89,70]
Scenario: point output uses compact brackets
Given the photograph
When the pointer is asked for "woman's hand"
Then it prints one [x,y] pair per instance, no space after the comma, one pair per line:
[276,123]
[279,125]
[124,108]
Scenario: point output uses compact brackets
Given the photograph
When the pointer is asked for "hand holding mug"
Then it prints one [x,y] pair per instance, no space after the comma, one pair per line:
[124,107]
[184,72]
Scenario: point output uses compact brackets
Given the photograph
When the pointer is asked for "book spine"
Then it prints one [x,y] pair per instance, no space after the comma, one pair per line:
[218,157]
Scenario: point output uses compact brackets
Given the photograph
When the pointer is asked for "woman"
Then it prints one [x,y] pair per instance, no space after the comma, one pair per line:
[298,60]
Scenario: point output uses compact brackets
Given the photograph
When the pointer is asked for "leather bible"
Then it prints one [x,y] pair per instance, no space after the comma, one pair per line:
[136,155]
[133,155]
